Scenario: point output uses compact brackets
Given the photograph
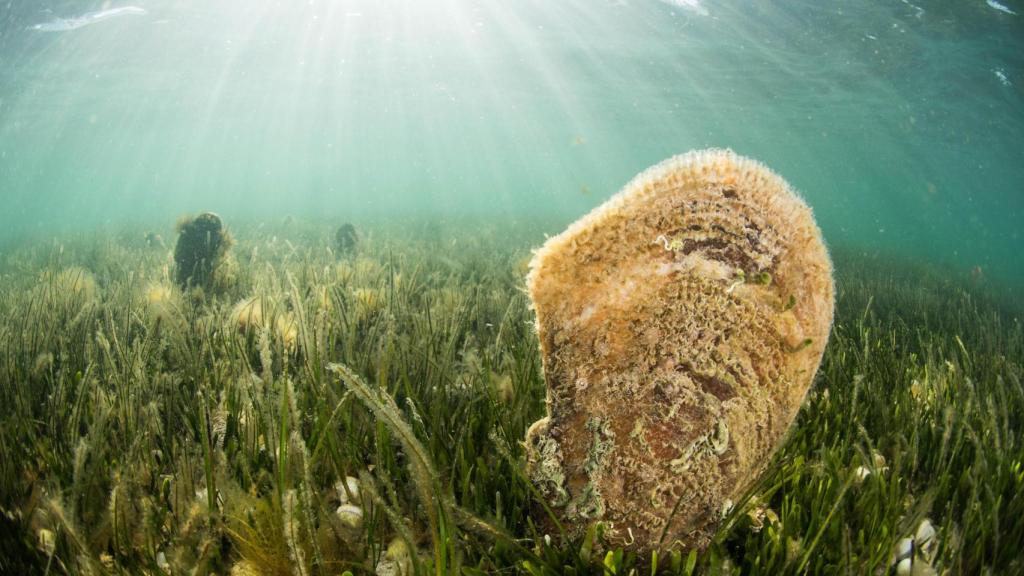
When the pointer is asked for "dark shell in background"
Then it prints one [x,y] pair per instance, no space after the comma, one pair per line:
[202,243]
[346,239]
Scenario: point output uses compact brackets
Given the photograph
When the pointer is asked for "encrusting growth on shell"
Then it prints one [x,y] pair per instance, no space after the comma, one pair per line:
[681,324]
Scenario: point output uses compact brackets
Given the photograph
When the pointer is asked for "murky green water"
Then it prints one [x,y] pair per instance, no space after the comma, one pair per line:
[900,122]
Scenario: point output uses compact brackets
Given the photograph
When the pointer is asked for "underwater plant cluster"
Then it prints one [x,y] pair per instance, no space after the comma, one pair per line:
[360,406]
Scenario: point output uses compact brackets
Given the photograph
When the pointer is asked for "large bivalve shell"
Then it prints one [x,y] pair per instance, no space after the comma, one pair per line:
[681,324]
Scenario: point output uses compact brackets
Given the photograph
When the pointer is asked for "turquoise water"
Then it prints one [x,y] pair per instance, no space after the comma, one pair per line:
[902,123]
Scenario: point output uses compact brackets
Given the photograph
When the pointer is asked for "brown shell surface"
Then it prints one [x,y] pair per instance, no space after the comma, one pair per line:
[681,324]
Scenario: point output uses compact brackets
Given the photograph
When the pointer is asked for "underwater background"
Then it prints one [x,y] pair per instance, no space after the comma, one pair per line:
[900,122]
[338,373]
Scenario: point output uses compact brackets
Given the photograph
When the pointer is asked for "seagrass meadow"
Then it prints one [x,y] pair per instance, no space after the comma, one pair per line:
[326,413]
[406,326]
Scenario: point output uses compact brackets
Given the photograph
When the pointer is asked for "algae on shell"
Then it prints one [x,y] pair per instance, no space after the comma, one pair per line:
[681,324]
